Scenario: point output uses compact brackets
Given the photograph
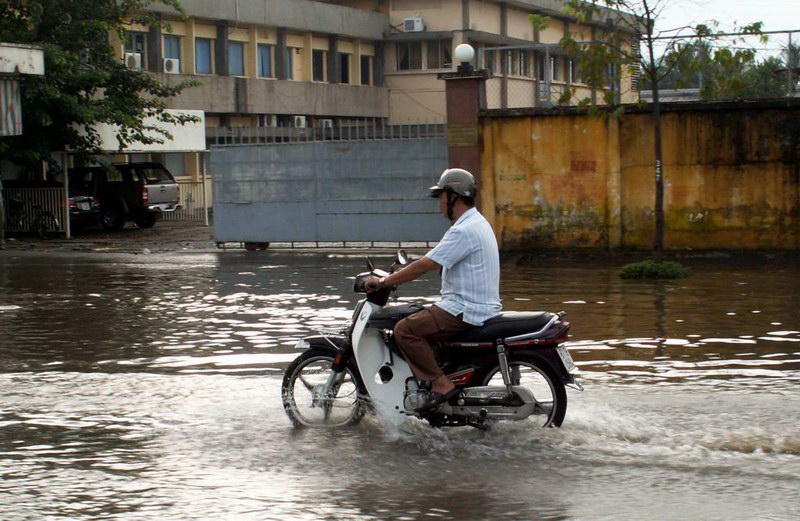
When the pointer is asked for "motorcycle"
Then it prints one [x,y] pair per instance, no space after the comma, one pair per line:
[513,367]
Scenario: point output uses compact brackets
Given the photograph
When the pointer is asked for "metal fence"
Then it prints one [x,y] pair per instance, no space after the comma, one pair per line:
[325,130]
[195,203]
[24,206]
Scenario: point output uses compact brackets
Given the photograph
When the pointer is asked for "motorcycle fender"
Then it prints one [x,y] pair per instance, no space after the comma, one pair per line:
[337,346]
[549,357]
[334,343]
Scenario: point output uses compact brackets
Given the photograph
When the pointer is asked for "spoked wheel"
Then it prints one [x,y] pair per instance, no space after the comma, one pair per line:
[313,396]
[46,225]
[546,387]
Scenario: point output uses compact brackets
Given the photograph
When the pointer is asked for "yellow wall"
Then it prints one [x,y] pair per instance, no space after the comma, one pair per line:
[732,179]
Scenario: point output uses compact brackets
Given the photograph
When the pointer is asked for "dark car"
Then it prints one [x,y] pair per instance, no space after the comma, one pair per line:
[84,210]
[140,192]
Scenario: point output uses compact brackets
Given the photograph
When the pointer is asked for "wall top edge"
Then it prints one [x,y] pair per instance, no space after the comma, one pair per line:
[685,106]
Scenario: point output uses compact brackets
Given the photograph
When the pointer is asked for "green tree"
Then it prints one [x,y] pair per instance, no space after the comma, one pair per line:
[722,73]
[652,53]
[84,83]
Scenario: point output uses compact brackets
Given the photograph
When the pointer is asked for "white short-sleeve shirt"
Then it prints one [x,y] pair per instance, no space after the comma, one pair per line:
[470,260]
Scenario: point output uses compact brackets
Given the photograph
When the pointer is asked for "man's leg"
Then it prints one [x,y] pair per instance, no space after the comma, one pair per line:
[414,334]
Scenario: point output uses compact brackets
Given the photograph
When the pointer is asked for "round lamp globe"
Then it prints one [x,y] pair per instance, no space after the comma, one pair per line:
[464,53]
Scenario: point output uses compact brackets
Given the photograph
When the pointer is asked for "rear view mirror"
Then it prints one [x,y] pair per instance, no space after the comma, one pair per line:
[402,257]
[370,265]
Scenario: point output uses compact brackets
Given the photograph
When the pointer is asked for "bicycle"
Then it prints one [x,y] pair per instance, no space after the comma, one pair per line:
[25,217]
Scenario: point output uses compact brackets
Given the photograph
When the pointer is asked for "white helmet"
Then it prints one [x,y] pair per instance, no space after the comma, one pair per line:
[457,181]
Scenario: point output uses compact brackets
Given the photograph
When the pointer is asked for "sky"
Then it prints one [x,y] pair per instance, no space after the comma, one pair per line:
[777,15]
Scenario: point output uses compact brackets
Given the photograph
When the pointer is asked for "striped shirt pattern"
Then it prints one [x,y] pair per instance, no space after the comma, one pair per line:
[470,260]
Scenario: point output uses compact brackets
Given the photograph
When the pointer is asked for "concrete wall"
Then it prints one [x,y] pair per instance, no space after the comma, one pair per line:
[732,178]
[227,94]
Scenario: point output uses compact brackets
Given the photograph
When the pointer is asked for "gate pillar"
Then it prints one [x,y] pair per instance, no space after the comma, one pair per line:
[465,91]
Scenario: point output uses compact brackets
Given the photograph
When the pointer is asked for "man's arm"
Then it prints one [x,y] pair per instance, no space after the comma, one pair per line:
[411,272]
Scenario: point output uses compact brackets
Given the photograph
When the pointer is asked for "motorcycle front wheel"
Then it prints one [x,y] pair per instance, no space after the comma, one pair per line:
[539,379]
[314,396]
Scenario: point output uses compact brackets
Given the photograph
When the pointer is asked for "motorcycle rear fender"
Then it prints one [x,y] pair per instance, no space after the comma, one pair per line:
[547,356]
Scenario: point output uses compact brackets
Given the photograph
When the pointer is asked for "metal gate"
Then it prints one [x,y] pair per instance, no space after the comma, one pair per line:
[24,206]
[368,187]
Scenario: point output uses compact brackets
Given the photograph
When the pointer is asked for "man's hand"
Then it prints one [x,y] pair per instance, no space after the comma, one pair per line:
[373,283]
[411,272]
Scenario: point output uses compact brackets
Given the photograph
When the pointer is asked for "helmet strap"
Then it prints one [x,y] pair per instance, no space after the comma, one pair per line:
[451,203]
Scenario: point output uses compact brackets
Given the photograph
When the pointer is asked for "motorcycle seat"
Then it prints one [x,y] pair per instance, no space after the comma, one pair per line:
[504,325]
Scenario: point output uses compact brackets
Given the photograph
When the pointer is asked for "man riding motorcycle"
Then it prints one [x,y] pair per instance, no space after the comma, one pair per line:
[469,261]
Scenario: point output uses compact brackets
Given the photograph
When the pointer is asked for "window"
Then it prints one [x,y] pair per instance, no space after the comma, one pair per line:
[318,59]
[135,43]
[344,68]
[439,55]
[542,70]
[611,75]
[172,46]
[572,71]
[264,61]
[203,55]
[512,62]
[289,65]
[555,68]
[525,68]
[236,58]
[155,175]
[366,70]
[409,56]
[488,60]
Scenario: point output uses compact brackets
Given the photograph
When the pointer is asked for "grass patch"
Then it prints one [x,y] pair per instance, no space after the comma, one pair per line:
[651,269]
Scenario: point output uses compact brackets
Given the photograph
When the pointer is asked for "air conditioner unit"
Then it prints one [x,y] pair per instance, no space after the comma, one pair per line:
[172,65]
[413,25]
[299,121]
[267,120]
[133,60]
[326,123]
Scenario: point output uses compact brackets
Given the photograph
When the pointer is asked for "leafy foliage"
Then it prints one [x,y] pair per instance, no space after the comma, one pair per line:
[724,73]
[84,83]
[653,269]
[629,41]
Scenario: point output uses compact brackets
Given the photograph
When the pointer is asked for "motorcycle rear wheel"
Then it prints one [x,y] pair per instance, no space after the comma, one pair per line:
[539,379]
[303,397]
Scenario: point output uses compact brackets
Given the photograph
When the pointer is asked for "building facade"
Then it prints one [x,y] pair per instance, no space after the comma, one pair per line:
[297,62]
[327,63]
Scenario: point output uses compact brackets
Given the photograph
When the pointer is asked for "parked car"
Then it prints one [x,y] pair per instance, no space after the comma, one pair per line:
[84,210]
[140,192]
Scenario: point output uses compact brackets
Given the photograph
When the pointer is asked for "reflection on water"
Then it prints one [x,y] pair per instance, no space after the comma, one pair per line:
[141,386]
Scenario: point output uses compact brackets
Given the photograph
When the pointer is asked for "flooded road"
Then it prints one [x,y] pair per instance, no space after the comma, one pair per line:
[144,386]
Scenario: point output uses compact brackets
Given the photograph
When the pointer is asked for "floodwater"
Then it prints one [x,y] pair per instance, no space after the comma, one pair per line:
[147,386]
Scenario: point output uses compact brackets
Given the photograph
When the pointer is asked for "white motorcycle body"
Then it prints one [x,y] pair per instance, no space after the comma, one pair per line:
[384,374]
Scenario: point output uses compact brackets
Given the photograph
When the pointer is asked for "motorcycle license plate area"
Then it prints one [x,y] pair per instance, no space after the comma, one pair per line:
[569,365]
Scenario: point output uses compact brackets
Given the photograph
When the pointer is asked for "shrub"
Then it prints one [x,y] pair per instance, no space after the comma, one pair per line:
[652,269]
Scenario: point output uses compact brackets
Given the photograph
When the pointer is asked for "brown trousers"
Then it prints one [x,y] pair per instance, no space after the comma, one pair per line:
[415,333]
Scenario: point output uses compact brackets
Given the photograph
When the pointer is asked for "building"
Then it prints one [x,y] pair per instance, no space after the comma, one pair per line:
[317,64]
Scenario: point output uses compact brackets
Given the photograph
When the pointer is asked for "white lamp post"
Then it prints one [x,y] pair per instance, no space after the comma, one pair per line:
[464,54]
